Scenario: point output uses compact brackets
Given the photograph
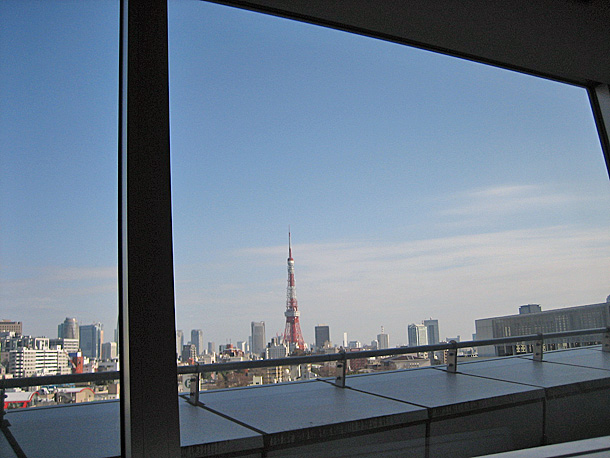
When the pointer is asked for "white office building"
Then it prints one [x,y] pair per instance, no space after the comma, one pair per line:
[383,340]
[29,362]
[275,350]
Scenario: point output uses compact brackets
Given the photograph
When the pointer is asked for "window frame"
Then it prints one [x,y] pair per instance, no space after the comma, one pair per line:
[149,399]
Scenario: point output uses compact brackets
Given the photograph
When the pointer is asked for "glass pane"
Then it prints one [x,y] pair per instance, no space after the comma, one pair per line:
[420,189]
[58,211]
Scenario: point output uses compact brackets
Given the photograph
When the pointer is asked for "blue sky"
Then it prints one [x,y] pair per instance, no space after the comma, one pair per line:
[416,185]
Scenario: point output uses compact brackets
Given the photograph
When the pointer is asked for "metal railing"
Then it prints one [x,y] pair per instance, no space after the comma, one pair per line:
[342,357]
[59,379]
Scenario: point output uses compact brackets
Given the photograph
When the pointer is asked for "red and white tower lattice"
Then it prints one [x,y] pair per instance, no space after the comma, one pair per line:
[292,333]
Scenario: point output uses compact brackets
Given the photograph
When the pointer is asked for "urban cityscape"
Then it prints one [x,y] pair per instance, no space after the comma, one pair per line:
[321,236]
[82,348]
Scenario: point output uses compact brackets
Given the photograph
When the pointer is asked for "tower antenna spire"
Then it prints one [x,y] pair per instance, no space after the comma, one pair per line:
[292,333]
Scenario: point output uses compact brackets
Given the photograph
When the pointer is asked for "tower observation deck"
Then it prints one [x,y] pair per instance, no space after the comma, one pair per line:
[292,334]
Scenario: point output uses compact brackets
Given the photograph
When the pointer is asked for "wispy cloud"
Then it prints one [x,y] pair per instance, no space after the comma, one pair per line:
[357,286]
[80,273]
[49,293]
[508,199]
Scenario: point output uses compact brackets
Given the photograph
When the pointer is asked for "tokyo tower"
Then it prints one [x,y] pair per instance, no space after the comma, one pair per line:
[292,333]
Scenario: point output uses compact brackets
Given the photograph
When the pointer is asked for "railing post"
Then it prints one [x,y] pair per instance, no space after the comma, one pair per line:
[341,370]
[194,395]
[606,340]
[452,357]
[538,345]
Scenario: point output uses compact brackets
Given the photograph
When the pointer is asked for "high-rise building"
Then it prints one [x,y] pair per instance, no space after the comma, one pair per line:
[197,340]
[322,333]
[258,337]
[417,334]
[90,340]
[68,345]
[345,340]
[109,351]
[292,333]
[211,348]
[68,329]
[432,331]
[189,353]
[179,342]
[383,340]
[11,326]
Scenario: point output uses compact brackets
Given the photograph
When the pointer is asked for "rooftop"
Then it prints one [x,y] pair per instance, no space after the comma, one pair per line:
[488,406]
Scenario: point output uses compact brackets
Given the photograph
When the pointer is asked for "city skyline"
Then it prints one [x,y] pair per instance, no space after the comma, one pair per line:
[428,328]
[417,185]
[71,328]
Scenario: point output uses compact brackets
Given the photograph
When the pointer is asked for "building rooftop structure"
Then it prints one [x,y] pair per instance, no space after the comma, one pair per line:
[19,398]
[531,320]
[488,406]
[11,326]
